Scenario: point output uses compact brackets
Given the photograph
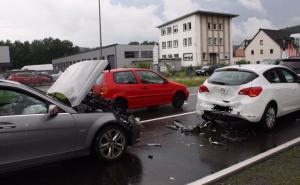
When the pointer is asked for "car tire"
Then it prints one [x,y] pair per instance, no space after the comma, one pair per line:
[269,117]
[121,105]
[110,144]
[178,100]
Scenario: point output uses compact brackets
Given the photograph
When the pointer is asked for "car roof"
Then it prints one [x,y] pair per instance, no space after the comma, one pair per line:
[257,68]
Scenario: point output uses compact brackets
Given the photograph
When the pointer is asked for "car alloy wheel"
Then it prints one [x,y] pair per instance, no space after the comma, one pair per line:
[110,144]
[270,117]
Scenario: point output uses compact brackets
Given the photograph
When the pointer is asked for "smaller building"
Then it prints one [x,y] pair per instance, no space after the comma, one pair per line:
[117,55]
[239,51]
[272,44]
[4,58]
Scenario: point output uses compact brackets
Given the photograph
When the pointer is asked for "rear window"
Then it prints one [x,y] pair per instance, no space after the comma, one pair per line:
[231,77]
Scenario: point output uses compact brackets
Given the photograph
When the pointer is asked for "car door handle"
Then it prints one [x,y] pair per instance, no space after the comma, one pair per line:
[6,125]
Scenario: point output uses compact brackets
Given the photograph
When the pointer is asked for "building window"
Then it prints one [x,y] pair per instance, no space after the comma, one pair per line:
[261,51]
[131,54]
[226,57]
[220,26]
[163,45]
[252,52]
[188,56]
[169,44]
[176,55]
[271,51]
[209,41]
[215,41]
[215,26]
[169,30]
[163,32]
[261,42]
[190,41]
[164,56]
[185,42]
[189,26]
[221,41]
[175,43]
[209,25]
[204,56]
[146,54]
[175,29]
[184,27]
[170,56]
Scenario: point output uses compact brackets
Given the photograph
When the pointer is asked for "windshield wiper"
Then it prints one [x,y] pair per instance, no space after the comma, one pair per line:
[216,82]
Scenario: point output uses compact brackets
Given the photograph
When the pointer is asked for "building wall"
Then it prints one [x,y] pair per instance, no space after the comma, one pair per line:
[121,49]
[180,50]
[4,54]
[200,34]
[115,54]
[267,45]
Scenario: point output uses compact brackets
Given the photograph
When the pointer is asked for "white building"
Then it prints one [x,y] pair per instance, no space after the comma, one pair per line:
[4,58]
[198,38]
[272,44]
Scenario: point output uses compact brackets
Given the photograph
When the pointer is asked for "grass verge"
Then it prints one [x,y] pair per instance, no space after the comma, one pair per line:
[279,170]
[193,81]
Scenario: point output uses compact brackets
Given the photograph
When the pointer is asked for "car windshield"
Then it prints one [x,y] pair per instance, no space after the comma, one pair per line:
[231,77]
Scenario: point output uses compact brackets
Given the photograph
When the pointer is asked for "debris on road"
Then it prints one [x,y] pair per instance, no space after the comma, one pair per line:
[215,142]
[150,156]
[172,178]
[154,144]
[176,125]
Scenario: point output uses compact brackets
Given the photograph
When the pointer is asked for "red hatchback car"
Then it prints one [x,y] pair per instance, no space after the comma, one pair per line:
[136,88]
[29,79]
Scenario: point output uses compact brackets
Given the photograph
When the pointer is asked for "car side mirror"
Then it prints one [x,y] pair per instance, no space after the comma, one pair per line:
[53,110]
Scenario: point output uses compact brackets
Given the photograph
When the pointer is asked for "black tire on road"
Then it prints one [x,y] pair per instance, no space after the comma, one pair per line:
[268,120]
[110,144]
[178,100]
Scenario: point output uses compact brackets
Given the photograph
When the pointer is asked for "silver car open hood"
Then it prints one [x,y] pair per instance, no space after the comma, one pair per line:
[78,79]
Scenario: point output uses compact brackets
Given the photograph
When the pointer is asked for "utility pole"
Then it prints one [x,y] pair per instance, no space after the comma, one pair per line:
[100,31]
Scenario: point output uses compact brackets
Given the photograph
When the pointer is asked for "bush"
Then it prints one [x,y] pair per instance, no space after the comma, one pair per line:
[241,62]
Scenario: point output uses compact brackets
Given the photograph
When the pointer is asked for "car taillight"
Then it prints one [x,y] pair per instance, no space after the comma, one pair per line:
[251,91]
[203,89]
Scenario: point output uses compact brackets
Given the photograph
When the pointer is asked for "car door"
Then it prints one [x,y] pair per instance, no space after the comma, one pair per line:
[292,87]
[26,129]
[277,87]
[126,86]
[155,90]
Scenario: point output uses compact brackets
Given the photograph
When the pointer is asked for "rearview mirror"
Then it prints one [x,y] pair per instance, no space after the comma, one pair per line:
[53,110]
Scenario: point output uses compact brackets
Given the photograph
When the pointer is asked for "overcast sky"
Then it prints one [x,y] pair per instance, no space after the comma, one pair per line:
[131,20]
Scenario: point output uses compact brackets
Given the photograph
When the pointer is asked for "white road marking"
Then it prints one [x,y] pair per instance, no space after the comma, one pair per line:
[242,165]
[186,103]
[193,94]
[166,117]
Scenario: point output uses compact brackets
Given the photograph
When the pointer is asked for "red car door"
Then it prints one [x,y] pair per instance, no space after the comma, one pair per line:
[154,89]
[125,86]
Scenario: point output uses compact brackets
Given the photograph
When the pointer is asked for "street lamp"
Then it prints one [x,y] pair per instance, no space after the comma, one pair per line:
[100,31]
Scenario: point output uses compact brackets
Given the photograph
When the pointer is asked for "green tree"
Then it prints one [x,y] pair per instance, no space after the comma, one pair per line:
[38,51]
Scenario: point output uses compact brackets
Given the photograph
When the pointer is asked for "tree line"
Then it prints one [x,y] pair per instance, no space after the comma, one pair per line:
[38,51]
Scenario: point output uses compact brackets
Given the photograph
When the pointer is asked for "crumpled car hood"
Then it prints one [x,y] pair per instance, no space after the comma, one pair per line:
[78,79]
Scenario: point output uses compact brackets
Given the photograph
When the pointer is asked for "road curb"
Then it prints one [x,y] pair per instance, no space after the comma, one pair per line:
[248,162]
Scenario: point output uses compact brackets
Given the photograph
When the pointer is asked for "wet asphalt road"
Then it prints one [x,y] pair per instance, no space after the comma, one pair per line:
[182,158]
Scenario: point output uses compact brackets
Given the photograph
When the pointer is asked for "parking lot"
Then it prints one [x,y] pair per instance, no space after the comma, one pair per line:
[179,158]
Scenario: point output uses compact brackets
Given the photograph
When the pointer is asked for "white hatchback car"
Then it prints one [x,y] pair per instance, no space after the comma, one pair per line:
[253,93]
